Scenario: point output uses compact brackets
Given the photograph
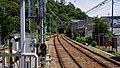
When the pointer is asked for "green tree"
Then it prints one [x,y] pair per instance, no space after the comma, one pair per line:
[100,27]
[60,13]
[9,16]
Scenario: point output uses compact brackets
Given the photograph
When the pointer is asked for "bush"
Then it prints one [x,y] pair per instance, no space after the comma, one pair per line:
[94,44]
[82,39]
[75,36]
[86,39]
[77,39]
[108,51]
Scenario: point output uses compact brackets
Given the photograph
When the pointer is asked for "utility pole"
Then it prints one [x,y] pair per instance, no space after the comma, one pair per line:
[22,30]
[112,14]
[29,14]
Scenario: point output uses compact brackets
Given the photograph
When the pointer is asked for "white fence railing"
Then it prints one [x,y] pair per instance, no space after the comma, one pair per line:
[30,60]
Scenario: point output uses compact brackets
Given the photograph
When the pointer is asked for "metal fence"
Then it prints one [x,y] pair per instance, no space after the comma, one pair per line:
[108,42]
[30,60]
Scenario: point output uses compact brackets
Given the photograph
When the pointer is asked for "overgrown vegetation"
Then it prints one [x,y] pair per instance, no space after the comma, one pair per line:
[56,14]
[83,39]
[90,41]
[108,50]
[10,18]
[59,14]
[101,27]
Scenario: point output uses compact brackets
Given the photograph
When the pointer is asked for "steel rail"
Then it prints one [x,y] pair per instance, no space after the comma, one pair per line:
[61,63]
[118,64]
[80,66]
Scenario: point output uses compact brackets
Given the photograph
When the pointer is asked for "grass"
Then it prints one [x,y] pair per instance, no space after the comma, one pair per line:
[108,51]
[94,44]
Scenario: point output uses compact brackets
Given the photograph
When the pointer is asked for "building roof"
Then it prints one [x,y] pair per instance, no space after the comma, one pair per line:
[115,17]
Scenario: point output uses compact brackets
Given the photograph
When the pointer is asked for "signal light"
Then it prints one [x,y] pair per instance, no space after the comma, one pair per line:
[43,50]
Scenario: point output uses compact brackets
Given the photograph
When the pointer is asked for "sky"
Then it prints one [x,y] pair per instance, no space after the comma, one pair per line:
[105,10]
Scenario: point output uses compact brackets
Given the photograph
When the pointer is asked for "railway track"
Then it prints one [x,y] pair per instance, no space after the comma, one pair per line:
[102,60]
[66,60]
[83,59]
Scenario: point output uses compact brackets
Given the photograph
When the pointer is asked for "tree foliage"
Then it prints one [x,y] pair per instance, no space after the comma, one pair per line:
[61,13]
[56,13]
[9,16]
[100,27]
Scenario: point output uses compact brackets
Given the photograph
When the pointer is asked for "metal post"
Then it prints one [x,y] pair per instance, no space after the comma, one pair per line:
[45,1]
[29,14]
[32,54]
[22,24]
[22,30]
[112,14]
[41,27]
[32,8]
[3,62]
[25,62]
[37,26]
[35,49]
[50,25]
[30,61]
[41,7]
[41,20]
[10,44]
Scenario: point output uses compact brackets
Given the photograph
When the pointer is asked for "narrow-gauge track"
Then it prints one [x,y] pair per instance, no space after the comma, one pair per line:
[65,58]
[106,62]
[84,60]
[60,61]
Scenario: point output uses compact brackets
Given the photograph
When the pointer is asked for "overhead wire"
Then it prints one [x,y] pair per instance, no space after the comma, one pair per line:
[98,9]
[99,5]
[74,1]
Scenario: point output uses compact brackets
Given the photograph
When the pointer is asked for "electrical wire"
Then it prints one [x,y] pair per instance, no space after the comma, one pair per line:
[98,9]
[74,1]
[99,5]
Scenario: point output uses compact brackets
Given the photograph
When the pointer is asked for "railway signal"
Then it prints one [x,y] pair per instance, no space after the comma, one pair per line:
[43,49]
